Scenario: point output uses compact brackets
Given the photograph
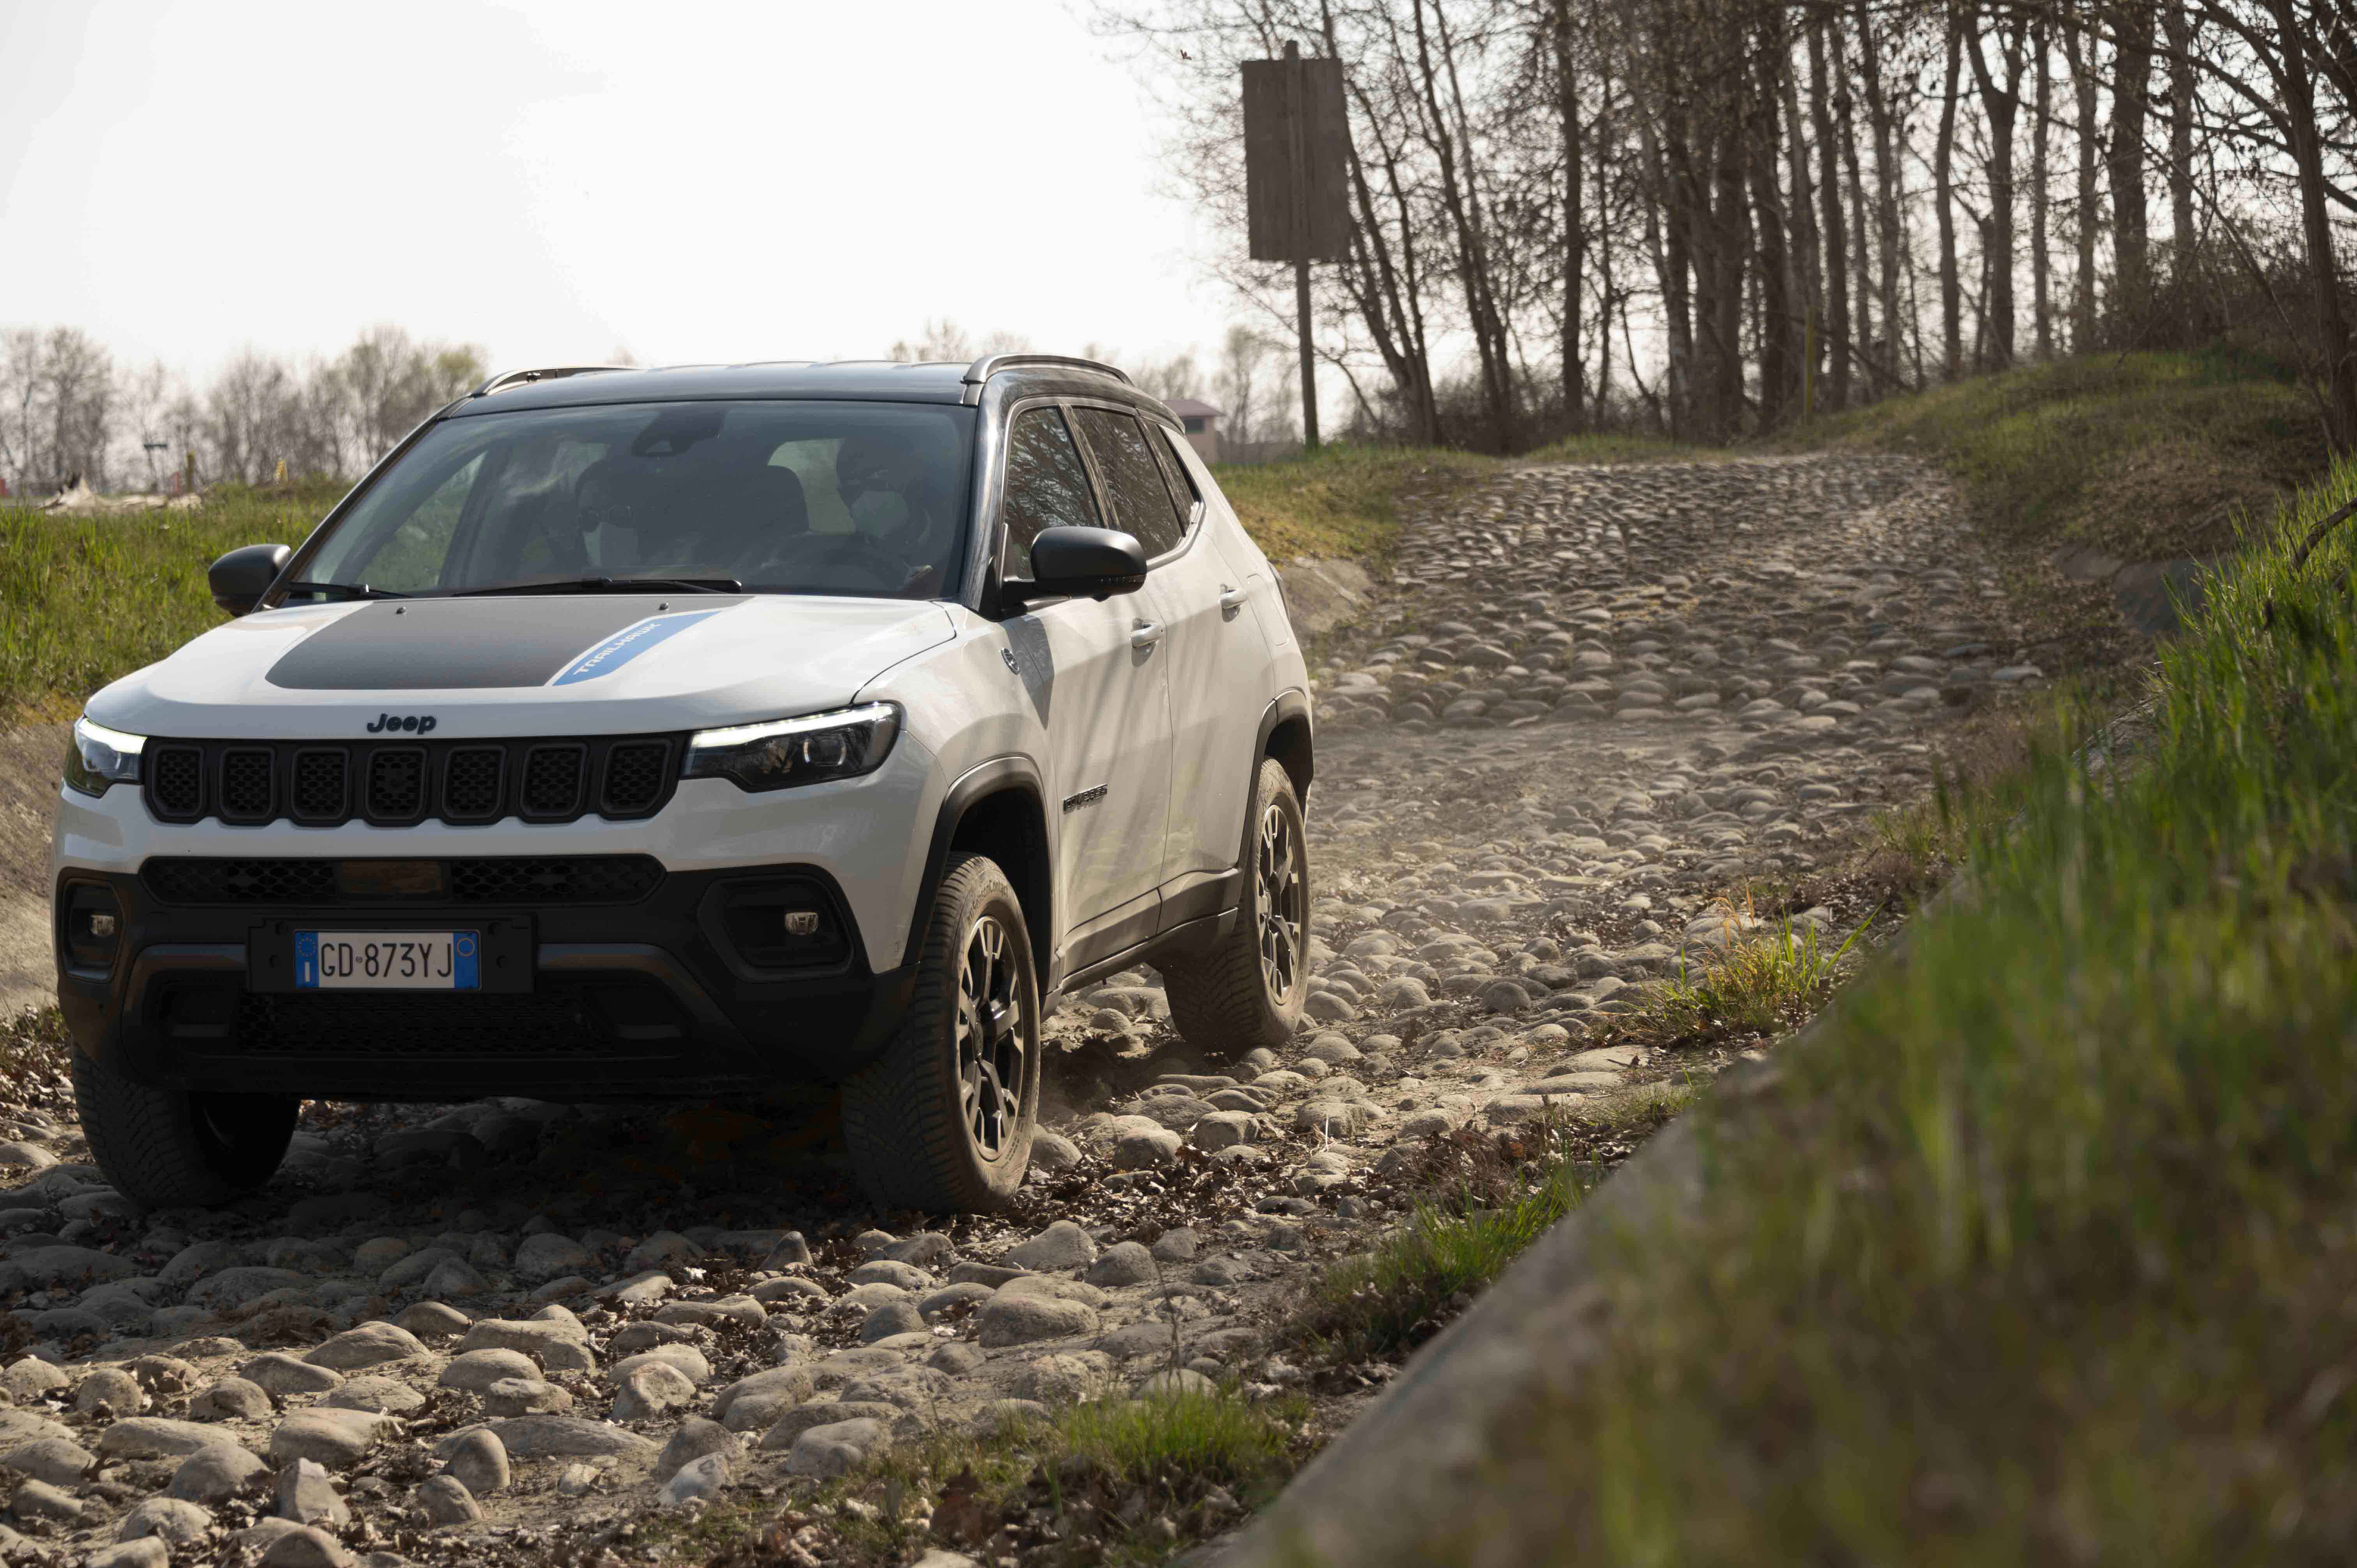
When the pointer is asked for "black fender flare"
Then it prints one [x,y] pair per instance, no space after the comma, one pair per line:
[1291,704]
[1015,772]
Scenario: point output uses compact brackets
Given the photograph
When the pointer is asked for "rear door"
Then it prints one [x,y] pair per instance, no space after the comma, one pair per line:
[1104,702]
[1219,686]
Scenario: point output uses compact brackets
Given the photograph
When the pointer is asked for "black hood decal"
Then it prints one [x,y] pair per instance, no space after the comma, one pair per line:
[461,644]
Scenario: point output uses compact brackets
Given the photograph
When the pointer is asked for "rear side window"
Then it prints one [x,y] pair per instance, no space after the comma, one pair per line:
[1046,485]
[1141,501]
[1174,469]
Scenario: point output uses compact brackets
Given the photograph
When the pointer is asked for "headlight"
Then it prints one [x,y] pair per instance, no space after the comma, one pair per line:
[98,756]
[778,755]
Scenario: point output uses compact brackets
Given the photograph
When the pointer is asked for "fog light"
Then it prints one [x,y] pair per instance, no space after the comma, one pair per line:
[90,923]
[788,923]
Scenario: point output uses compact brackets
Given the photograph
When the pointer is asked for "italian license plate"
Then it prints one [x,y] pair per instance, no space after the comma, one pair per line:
[387,961]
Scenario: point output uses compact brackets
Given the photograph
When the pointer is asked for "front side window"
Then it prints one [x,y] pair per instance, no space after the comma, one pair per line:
[858,498]
[1141,502]
[1046,485]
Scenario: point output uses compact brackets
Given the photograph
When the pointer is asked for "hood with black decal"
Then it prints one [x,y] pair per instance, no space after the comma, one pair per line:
[590,664]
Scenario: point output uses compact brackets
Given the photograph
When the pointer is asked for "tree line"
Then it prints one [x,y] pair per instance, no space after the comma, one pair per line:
[1716,217]
[68,411]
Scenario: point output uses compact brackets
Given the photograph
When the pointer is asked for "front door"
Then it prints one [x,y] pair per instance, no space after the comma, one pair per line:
[1103,687]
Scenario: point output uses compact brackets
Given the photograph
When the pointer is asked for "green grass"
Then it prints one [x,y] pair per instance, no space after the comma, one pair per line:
[2142,456]
[86,599]
[1388,1301]
[2042,1251]
[1343,500]
[1762,982]
[1339,502]
[1121,1481]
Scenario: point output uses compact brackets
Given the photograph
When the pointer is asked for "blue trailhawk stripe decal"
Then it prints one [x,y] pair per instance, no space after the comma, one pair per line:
[628,644]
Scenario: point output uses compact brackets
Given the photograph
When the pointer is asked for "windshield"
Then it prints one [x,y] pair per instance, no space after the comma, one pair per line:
[858,498]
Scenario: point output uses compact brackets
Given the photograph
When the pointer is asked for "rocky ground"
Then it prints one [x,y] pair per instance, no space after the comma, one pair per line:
[1591,704]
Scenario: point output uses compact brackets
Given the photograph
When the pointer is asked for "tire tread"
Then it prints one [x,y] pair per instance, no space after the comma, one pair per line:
[907,1141]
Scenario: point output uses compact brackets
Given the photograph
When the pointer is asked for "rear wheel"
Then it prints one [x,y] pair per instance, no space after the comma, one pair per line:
[944,1120]
[164,1148]
[1247,992]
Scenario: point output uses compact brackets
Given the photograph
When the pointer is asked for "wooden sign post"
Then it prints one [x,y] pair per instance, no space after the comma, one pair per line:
[1297,196]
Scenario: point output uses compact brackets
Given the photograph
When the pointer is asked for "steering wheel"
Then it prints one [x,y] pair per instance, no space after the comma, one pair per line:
[857,552]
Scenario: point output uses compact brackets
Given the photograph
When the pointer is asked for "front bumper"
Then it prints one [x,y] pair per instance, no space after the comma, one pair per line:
[615,997]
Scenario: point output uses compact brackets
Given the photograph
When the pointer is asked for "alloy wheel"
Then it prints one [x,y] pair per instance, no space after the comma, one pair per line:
[991,1038]
[1284,902]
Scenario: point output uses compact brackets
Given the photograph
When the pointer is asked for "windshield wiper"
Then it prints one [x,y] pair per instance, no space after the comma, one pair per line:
[344,590]
[609,586]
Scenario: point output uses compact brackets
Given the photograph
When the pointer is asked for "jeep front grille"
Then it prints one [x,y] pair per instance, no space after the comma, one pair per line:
[248,784]
[504,879]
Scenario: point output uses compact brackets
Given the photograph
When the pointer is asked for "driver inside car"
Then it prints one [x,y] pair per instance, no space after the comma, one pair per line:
[887,488]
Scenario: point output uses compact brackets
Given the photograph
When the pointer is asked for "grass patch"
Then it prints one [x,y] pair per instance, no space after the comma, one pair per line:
[1758,982]
[88,599]
[1341,500]
[1124,1481]
[2142,456]
[2042,1251]
[1385,1303]
[1606,447]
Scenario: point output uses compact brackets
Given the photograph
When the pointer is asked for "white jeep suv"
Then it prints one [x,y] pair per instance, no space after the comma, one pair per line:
[632,734]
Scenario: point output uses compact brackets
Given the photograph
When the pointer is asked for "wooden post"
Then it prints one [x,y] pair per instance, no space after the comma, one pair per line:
[1298,125]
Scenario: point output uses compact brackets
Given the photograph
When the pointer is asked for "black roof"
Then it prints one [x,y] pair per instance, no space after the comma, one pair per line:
[875,380]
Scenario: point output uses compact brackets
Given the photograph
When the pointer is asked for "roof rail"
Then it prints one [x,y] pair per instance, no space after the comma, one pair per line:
[989,365]
[507,379]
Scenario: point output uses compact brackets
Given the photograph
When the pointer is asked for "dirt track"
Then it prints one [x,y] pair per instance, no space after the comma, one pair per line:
[1592,701]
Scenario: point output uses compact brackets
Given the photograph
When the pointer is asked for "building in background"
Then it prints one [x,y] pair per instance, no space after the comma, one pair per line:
[1200,421]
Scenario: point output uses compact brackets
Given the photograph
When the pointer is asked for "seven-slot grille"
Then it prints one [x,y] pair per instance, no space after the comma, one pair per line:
[246,784]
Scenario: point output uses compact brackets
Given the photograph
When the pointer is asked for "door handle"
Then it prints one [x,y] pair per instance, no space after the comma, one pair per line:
[1144,634]
[1231,601]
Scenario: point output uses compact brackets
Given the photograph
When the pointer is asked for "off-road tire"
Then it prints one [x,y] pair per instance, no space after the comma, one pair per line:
[906,1116]
[1223,1001]
[170,1148]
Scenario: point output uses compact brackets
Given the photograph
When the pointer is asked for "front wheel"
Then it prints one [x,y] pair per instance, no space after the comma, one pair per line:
[944,1120]
[164,1148]
[1247,992]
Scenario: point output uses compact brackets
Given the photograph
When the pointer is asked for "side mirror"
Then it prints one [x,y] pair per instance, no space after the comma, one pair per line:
[241,577]
[1070,563]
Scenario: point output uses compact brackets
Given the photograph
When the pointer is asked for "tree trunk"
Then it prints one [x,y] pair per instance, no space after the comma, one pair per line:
[1944,201]
[2041,266]
[2184,259]
[1731,245]
[1780,357]
[1832,246]
[1574,220]
[2001,105]
[1884,115]
[2079,49]
[1673,259]
[2131,85]
[2315,226]
[1808,270]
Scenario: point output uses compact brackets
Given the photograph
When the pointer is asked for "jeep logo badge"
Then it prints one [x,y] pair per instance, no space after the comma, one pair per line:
[413,724]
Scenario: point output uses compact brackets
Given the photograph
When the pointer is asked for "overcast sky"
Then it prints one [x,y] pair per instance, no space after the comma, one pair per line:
[691,180]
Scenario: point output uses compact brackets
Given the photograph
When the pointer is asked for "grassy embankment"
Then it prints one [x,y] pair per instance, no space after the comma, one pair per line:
[85,599]
[1344,500]
[2142,456]
[2042,1251]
